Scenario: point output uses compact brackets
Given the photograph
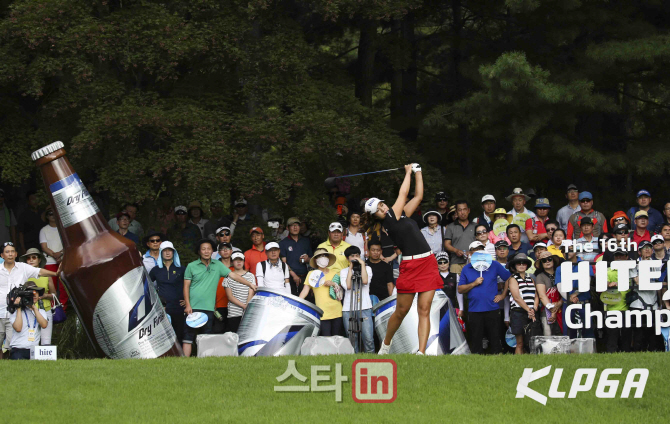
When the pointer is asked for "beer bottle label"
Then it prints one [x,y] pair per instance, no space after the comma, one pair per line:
[72,200]
[129,320]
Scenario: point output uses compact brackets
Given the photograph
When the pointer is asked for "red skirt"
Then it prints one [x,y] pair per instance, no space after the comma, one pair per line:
[419,275]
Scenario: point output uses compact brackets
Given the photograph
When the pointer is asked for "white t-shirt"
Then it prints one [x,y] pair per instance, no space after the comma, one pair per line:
[50,236]
[274,277]
[16,278]
[20,340]
[346,302]
[357,240]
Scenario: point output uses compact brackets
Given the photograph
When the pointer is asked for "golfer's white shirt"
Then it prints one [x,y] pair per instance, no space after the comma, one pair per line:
[274,278]
[346,302]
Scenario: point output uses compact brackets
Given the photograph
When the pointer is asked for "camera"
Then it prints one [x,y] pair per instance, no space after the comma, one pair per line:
[356,266]
[273,224]
[26,297]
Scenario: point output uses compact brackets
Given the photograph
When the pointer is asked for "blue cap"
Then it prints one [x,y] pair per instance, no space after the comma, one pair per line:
[643,193]
[585,195]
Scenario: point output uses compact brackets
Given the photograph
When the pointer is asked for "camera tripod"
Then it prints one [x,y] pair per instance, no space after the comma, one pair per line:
[355,310]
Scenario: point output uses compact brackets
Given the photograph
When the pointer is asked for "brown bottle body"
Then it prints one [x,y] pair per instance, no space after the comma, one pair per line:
[104,274]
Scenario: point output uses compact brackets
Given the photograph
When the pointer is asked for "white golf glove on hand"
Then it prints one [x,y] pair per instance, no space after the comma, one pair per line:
[416,168]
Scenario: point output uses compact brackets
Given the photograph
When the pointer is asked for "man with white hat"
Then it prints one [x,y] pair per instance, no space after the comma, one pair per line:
[488,206]
[658,244]
[222,235]
[183,230]
[336,246]
[273,272]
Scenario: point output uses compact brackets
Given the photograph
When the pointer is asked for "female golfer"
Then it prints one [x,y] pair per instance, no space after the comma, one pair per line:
[418,269]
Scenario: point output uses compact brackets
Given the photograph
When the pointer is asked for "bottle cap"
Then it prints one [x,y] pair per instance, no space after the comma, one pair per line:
[40,153]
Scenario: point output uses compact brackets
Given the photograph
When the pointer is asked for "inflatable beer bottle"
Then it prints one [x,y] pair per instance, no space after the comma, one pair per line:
[102,270]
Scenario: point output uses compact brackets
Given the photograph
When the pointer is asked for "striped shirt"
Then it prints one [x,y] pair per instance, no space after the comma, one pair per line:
[527,291]
[240,292]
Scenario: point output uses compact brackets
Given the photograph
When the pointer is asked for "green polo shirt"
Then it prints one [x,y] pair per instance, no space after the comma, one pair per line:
[204,281]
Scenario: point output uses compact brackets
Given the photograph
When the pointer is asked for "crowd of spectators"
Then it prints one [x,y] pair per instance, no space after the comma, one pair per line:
[238,252]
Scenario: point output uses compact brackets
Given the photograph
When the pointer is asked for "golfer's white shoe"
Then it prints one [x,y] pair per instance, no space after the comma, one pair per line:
[385,348]
[419,353]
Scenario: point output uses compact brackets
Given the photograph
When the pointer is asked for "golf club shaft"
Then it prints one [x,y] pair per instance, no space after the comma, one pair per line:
[367,173]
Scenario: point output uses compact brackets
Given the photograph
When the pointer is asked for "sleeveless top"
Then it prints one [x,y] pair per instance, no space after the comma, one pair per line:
[527,291]
[405,234]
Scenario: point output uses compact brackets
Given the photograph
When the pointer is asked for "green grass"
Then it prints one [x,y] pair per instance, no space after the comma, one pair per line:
[430,389]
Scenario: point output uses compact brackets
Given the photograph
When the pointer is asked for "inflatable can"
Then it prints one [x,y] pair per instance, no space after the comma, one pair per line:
[446,336]
[276,324]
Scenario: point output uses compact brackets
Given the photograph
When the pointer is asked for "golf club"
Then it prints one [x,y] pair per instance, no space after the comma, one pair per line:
[330,181]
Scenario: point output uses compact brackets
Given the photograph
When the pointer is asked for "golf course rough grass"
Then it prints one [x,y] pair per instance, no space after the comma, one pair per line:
[466,389]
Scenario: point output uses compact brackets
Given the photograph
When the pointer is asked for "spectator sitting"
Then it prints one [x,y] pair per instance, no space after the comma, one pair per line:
[640,224]
[524,303]
[295,250]
[644,204]
[320,280]
[353,254]
[168,274]
[354,233]
[134,227]
[450,283]
[153,241]
[123,221]
[273,273]
[197,217]
[598,219]
[224,253]
[183,230]
[381,282]
[619,217]
[516,245]
[557,239]
[30,223]
[7,221]
[239,295]
[256,254]
[27,325]
[35,258]
[217,221]
[572,207]
[489,207]
[519,199]
[223,235]
[433,232]
[535,227]
[336,246]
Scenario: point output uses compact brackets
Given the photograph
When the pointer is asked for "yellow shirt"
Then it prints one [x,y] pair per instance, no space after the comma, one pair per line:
[555,251]
[43,282]
[331,308]
[341,261]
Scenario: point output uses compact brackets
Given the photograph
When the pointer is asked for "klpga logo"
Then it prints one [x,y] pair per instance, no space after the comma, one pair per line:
[374,380]
[583,382]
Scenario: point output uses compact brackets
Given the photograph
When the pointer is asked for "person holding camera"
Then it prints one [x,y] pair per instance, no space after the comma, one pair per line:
[27,321]
[13,274]
[35,258]
[357,269]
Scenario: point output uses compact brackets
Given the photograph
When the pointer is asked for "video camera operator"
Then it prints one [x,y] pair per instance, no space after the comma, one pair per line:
[27,319]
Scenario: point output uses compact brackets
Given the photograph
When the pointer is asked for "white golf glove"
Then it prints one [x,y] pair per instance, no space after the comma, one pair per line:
[416,168]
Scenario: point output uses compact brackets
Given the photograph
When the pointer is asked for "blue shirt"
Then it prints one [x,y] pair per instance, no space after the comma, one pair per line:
[524,248]
[480,298]
[655,218]
[582,295]
[292,250]
[131,236]
[170,283]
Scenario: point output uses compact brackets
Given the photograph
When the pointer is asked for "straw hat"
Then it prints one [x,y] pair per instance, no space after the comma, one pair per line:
[544,255]
[319,252]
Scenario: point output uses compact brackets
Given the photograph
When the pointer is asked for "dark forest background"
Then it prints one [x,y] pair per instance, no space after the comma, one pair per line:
[161,103]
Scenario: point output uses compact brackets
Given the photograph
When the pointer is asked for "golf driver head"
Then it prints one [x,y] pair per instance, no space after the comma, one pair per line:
[330,182]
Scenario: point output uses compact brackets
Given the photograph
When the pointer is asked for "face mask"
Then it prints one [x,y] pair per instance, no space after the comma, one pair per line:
[322,262]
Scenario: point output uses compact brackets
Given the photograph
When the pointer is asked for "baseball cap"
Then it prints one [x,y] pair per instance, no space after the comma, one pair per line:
[586,220]
[644,243]
[224,245]
[442,256]
[293,220]
[488,197]
[372,204]
[240,202]
[643,193]
[572,187]
[256,230]
[620,227]
[218,230]
[657,237]
[180,208]
[641,214]
[540,244]
[237,255]
[542,202]
[272,245]
[440,195]
[501,243]
[335,226]
[475,244]
[585,195]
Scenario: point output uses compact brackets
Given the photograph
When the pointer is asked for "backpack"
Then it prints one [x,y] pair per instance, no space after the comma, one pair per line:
[283,268]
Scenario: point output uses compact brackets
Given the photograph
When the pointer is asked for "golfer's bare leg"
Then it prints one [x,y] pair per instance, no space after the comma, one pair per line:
[402,306]
[423,306]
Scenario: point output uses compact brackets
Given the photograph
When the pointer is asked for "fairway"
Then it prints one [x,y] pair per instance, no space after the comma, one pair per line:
[430,389]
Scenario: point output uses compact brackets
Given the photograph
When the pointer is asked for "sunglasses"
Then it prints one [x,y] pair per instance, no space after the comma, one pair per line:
[442,262]
[619,219]
[621,233]
[547,260]
[551,230]
[658,242]
[223,233]
[9,243]
[586,200]
[155,241]
[481,232]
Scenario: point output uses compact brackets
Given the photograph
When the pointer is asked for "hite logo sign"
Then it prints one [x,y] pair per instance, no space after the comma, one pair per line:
[607,388]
